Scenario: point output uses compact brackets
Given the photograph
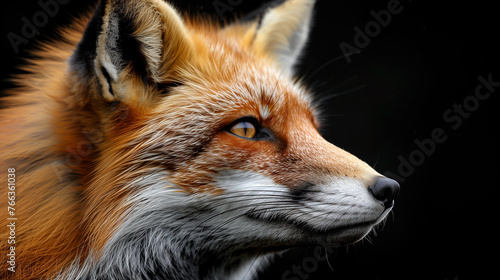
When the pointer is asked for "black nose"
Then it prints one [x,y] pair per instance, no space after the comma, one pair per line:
[385,190]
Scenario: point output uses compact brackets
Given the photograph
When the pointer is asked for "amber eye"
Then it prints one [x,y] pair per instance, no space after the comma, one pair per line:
[244,129]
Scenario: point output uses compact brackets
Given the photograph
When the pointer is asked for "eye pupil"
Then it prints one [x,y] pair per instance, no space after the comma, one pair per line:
[244,129]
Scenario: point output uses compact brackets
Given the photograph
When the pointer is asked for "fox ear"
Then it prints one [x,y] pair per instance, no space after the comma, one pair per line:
[130,41]
[281,31]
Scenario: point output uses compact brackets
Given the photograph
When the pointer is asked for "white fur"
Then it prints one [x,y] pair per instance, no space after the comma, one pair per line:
[173,225]
[338,203]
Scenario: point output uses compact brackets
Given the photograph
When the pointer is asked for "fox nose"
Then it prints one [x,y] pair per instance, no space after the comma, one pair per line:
[385,190]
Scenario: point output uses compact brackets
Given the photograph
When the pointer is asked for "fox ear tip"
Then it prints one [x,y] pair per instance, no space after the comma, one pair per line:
[283,29]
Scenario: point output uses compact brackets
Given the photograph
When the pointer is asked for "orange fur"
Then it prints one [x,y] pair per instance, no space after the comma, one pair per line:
[73,152]
[49,232]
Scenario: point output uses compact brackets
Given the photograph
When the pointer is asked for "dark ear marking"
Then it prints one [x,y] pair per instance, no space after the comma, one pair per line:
[108,78]
[129,48]
[82,60]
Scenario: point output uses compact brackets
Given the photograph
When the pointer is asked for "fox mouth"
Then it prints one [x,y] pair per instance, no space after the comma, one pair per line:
[351,232]
[282,220]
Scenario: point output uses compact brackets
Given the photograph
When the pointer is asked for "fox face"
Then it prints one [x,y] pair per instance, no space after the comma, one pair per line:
[209,155]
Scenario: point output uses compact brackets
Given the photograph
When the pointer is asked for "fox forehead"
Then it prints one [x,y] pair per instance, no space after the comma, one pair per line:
[225,82]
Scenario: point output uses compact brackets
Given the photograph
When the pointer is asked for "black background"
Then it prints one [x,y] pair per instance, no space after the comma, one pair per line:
[427,59]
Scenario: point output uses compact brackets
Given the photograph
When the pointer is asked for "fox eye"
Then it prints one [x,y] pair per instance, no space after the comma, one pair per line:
[244,129]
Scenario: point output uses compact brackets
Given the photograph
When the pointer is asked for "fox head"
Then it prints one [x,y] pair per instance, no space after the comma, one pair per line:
[210,149]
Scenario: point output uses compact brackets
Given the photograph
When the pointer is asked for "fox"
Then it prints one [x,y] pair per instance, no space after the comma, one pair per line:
[147,144]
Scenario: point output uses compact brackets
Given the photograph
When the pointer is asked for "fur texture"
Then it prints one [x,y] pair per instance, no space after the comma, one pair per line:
[126,164]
